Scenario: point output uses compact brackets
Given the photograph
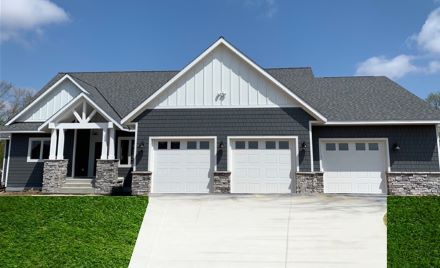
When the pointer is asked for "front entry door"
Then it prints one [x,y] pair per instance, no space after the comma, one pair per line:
[82,153]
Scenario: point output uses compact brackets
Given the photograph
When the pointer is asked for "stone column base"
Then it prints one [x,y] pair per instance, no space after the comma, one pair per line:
[140,182]
[413,183]
[222,182]
[54,175]
[309,182]
[106,181]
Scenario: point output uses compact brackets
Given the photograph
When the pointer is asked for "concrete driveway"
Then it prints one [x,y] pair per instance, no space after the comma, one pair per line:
[262,231]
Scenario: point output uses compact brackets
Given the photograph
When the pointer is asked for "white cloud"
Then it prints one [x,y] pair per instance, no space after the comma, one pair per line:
[393,68]
[20,16]
[433,67]
[429,36]
[269,7]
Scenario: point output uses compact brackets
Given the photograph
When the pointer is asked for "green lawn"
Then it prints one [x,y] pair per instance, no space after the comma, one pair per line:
[413,231]
[88,231]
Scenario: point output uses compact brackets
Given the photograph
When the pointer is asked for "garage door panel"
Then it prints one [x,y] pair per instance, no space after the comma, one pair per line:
[354,170]
[261,170]
[182,170]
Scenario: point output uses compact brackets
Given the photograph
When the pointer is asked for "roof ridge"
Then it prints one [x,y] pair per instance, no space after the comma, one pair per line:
[353,76]
[137,71]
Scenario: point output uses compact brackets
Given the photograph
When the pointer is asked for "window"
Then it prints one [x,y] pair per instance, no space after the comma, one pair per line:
[283,145]
[253,144]
[270,144]
[330,147]
[373,146]
[240,145]
[175,145]
[38,149]
[204,145]
[126,151]
[162,145]
[360,146]
[343,146]
[191,145]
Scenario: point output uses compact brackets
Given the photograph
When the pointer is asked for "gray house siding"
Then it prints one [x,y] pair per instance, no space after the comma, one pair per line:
[222,123]
[418,144]
[23,174]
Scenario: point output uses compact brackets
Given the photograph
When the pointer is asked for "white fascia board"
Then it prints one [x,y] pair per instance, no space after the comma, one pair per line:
[75,101]
[219,42]
[44,94]
[21,131]
[390,122]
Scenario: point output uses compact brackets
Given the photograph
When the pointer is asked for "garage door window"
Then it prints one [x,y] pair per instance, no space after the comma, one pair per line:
[360,146]
[191,145]
[162,145]
[330,147]
[204,145]
[253,144]
[373,147]
[270,145]
[283,145]
[343,146]
[240,145]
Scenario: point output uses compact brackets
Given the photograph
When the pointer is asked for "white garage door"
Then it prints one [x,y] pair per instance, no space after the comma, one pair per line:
[182,166]
[354,166]
[262,166]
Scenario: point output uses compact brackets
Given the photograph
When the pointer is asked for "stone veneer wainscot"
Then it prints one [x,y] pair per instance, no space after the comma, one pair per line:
[413,183]
[54,175]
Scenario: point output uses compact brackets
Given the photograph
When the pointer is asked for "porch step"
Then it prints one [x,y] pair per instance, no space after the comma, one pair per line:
[77,190]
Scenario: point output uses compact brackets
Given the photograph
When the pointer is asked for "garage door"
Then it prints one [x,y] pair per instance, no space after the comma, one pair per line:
[182,166]
[262,166]
[354,166]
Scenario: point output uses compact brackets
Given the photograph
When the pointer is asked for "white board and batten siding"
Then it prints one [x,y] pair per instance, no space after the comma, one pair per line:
[52,102]
[222,80]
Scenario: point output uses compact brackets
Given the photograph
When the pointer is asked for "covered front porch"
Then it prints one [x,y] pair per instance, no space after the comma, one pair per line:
[82,154]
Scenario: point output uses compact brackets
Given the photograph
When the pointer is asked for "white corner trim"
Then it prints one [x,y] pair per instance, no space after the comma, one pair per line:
[384,140]
[4,161]
[219,42]
[44,94]
[75,137]
[438,143]
[135,146]
[41,140]
[9,157]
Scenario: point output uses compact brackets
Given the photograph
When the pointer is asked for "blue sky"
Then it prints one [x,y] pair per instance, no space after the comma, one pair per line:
[399,38]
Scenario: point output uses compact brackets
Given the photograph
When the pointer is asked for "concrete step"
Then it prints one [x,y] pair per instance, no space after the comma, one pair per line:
[75,180]
[77,185]
[77,190]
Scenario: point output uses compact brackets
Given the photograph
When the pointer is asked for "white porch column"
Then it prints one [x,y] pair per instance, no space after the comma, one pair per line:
[60,154]
[104,144]
[53,145]
[111,146]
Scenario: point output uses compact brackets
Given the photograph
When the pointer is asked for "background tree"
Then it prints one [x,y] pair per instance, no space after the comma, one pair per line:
[12,100]
[434,99]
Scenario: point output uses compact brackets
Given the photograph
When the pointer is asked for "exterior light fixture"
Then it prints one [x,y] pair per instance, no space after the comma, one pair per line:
[221,145]
[396,147]
[141,145]
[303,146]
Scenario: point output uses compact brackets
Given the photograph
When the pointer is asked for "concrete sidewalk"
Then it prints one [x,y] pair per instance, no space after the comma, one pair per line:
[262,231]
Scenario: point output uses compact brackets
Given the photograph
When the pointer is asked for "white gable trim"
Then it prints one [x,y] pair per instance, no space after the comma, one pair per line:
[75,101]
[385,122]
[219,42]
[68,77]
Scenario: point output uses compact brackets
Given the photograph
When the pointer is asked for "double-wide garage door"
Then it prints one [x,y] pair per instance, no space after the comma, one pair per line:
[257,165]
[354,166]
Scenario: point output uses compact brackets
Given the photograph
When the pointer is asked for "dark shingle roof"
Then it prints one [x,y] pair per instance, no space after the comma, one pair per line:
[336,98]
[21,126]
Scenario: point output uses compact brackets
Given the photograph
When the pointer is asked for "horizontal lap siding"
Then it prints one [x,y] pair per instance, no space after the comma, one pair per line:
[418,144]
[223,123]
[22,173]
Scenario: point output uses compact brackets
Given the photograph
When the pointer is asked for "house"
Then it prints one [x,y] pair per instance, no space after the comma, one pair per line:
[223,124]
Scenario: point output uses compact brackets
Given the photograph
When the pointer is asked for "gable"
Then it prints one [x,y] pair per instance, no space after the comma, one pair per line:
[222,80]
[52,102]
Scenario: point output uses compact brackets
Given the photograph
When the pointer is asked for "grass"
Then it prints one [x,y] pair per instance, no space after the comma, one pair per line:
[413,231]
[88,231]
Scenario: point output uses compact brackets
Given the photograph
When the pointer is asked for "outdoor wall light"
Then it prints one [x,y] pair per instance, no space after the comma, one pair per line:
[141,145]
[304,146]
[221,145]
[396,147]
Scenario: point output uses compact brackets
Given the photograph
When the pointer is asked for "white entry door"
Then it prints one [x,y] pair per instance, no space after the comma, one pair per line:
[354,166]
[182,166]
[263,165]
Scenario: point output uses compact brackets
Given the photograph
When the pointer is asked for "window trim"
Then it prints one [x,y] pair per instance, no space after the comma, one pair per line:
[130,142]
[41,140]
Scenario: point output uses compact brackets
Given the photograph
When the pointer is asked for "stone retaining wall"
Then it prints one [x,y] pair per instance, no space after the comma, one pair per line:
[413,183]
[141,182]
[54,175]
[106,181]
[222,182]
[309,182]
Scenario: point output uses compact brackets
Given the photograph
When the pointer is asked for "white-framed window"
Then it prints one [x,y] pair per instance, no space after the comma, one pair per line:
[38,149]
[126,151]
